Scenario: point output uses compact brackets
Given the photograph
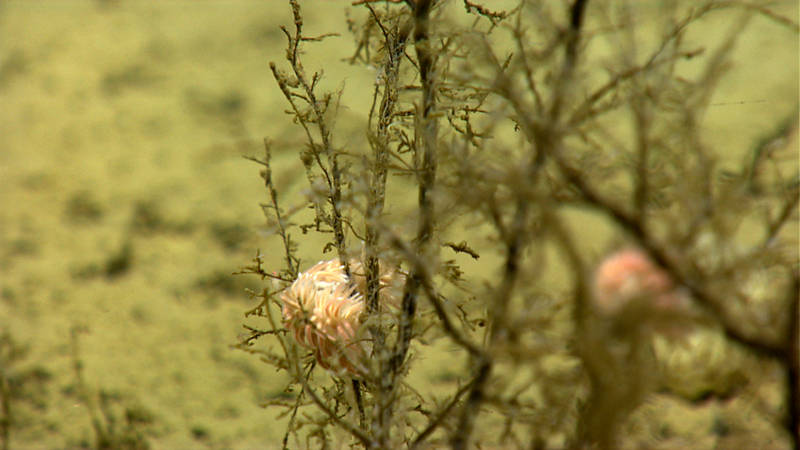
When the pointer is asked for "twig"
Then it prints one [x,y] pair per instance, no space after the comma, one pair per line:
[362,418]
[767,145]
[788,208]
[291,260]
[395,41]
[437,421]
[425,281]
[493,16]
[292,417]
[368,2]
[785,21]
[365,440]
[463,247]
[499,311]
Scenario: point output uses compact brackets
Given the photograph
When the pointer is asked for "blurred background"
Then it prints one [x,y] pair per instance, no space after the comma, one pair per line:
[126,204]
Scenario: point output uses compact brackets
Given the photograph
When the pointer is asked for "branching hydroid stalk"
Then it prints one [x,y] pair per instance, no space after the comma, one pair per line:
[395,38]
[333,173]
[547,137]
[427,129]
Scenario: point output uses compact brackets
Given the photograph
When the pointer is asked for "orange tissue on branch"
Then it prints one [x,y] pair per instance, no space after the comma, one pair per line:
[324,309]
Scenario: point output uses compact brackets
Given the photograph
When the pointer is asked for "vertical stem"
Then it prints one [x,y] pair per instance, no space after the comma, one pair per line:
[515,241]
[793,364]
[395,41]
[427,132]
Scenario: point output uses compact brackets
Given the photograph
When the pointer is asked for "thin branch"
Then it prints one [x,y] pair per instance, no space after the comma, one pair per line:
[365,440]
[437,421]
[369,2]
[494,16]
[767,145]
[292,417]
[785,21]
[291,260]
[418,265]
[499,312]
[788,208]
[471,407]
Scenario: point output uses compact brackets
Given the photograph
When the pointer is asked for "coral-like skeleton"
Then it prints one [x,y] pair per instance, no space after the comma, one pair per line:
[324,309]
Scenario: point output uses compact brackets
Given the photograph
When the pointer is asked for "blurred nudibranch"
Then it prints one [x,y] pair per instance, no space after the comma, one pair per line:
[629,286]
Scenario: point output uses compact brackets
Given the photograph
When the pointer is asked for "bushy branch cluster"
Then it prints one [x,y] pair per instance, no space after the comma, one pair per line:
[512,127]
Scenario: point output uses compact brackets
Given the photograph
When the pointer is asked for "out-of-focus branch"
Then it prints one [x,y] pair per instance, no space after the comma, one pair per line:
[589,106]
[793,362]
[426,283]
[5,409]
[788,208]
[538,133]
[767,145]
[470,409]
[570,58]
[760,9]
[545,137]
[437,421]
[696,287]
[515,241]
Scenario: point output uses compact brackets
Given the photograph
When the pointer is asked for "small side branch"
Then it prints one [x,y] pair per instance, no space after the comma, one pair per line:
[288,248]
[352,429]
[437,421]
